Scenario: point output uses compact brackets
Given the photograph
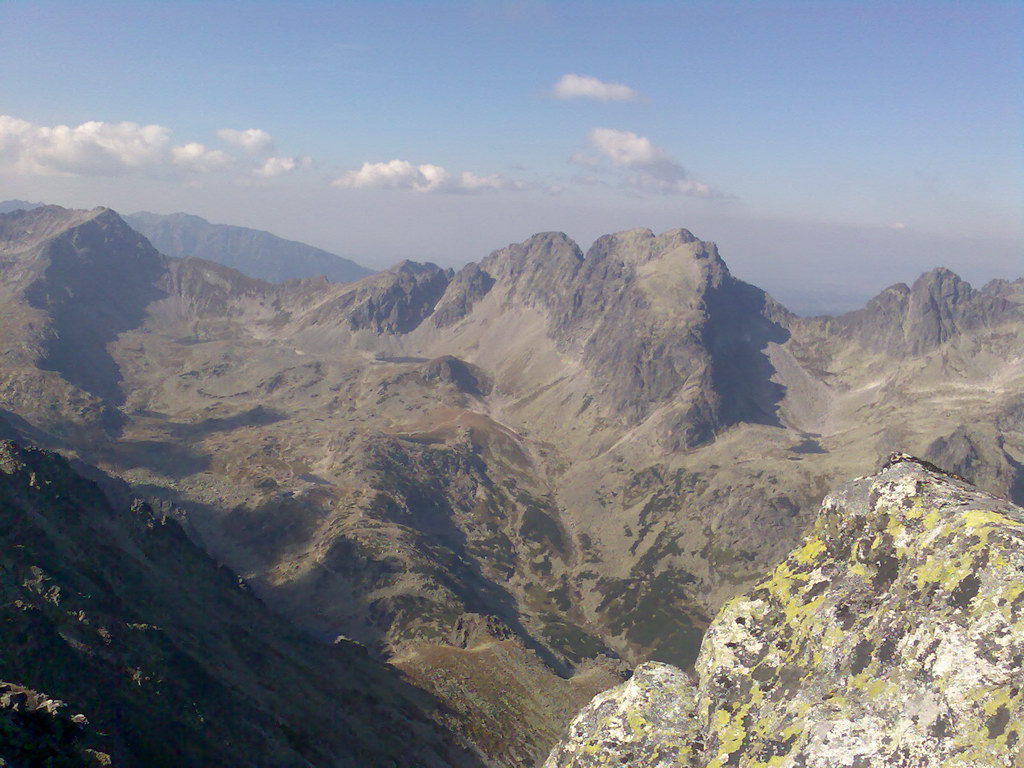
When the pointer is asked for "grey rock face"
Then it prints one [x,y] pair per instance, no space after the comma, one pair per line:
[469,286]
[977,452]
[464,377]
[398,300]
[92,276]
[940,306]
[1006,289]
[653,317]
[892,636]
[537,270]
[253,252]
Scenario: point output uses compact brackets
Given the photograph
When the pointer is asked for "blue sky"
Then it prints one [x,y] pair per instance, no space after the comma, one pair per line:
[830,148]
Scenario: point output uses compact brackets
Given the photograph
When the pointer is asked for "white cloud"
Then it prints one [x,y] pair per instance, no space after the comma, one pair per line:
[90,149]
[898,225]
[625,148]
[96,148]
[278,166]
[196,157]
[582,158]
[645,167]
[251,140]
[573,86]
[401,174]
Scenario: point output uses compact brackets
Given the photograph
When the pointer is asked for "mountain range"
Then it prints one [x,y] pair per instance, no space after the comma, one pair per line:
[512,482]
[252,251]
[255,252]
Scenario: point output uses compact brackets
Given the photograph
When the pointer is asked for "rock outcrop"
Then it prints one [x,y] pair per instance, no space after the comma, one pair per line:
[893,636]
[398,300]
[37,730]
[650,720]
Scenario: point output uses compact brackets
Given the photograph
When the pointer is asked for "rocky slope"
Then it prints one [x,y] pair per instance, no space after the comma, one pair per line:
[38,730]
[595,451]
[251,251]
[891,636]
[166,658]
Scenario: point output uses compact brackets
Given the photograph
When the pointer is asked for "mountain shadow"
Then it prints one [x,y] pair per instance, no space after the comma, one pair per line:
[100,277]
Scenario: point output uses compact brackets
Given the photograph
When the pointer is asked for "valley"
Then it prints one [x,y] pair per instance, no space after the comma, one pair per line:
[541,470]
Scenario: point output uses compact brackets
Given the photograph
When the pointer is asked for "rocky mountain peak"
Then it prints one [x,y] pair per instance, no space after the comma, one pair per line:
[398,300]
[24,229]
[642,245]
[93,277]
[1006,289]
[914,320]
[470,285]
[538,271]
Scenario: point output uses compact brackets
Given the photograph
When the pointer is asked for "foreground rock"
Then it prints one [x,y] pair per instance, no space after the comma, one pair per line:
[649,720]
[893,636]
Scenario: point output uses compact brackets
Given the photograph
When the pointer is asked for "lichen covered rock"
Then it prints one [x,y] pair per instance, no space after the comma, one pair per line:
[893,636]
[650,717]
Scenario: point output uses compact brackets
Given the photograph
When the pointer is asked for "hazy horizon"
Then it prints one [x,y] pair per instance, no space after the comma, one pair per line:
[829,149]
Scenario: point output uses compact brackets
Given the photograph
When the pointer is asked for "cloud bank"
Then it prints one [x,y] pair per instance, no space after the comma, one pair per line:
[643,166]
[97,148]
[573,86]
[401,174]
[251,140]
[91,149]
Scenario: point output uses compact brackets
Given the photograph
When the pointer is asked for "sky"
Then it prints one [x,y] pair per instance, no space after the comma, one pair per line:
[829,148]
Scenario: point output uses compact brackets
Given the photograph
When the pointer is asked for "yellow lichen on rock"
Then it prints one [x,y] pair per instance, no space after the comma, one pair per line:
[893,636]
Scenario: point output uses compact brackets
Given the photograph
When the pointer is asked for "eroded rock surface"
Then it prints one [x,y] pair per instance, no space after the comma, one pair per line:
[650,718]
[893,636]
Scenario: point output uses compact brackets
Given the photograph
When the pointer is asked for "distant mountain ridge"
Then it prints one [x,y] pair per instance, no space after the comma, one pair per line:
[251,251]
[8,206]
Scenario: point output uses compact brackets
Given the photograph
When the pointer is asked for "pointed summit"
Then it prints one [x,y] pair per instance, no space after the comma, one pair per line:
[915,320]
